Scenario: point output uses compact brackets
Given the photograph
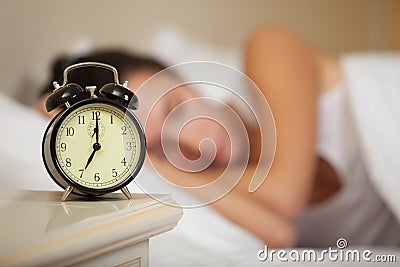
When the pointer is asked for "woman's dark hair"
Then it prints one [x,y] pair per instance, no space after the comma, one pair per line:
[124,62]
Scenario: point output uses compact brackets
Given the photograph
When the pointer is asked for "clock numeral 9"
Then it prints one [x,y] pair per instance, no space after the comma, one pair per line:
[63,147]
[114,173]
[68,162]
[97,176]
[70,131]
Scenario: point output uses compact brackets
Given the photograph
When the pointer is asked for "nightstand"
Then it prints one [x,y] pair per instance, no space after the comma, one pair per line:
[37,229]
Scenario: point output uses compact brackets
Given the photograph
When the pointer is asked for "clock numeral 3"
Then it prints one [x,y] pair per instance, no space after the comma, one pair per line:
[129,146]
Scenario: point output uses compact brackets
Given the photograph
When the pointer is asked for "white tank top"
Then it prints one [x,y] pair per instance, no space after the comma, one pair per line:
[355,212]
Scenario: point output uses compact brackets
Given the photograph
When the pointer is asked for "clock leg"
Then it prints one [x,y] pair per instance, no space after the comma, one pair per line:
[126,192]
[67,192]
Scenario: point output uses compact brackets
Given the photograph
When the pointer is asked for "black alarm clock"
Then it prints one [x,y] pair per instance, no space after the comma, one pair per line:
[96,145]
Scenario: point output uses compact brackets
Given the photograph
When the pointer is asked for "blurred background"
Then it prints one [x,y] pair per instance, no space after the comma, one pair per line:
[35,32]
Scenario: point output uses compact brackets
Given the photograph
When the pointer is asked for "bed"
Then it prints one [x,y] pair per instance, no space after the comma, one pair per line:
[202,237]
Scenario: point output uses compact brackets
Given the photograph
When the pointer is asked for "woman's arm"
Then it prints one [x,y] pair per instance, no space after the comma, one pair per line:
[242,209]
[286,70]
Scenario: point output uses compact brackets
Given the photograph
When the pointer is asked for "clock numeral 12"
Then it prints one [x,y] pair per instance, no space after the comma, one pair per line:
[95,114]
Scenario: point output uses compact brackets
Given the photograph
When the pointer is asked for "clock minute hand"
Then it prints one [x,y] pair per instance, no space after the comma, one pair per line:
[96,146]
[90,158]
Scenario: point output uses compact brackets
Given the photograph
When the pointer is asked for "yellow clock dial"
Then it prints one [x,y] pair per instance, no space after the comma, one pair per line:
[97,146]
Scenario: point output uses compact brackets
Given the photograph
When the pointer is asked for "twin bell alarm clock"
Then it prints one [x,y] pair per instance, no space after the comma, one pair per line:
[96,145]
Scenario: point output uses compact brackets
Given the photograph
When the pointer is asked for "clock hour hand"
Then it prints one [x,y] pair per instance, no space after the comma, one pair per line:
[96,146]
[94,131]
[97,128]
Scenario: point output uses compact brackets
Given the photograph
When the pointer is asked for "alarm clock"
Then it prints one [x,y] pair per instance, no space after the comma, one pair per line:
[96,145]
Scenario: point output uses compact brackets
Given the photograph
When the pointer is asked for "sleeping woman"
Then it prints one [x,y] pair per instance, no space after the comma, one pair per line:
[318,188]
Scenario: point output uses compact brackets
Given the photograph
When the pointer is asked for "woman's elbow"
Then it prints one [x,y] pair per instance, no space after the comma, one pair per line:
[287,200]
[292,206]
[283,236]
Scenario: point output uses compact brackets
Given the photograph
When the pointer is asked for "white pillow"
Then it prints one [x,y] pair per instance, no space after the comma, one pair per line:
[173,46]
[374,90]
[21,132]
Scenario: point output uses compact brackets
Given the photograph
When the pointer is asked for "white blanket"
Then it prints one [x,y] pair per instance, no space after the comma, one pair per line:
[374,90]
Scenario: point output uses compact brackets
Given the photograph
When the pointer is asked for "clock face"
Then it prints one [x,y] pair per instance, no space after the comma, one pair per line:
[98,145]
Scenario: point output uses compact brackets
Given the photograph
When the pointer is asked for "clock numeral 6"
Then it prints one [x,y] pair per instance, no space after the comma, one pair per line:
[97,176]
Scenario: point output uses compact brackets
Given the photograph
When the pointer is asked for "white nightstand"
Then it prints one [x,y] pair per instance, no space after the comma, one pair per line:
[37,229]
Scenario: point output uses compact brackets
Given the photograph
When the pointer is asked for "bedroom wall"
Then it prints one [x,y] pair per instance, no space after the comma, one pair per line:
[396,26]
[34,32]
